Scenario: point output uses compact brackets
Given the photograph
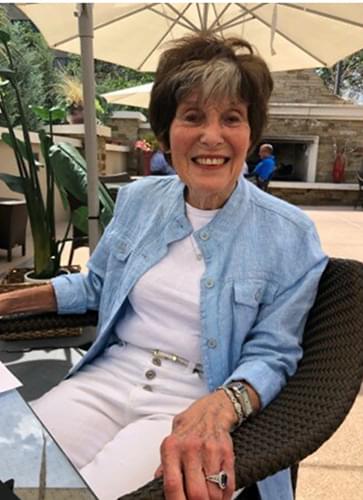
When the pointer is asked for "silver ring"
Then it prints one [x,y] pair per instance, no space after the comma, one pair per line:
[220,479]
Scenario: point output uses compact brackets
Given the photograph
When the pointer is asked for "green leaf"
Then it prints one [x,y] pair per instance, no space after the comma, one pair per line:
[80,219]
[14,182]
[70,174]
[41,112]
[4,36]
[7,74]
[58,114]
[69,170]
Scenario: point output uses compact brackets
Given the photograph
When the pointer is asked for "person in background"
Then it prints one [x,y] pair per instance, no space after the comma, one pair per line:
[159,165]
[203,284]
[264,169]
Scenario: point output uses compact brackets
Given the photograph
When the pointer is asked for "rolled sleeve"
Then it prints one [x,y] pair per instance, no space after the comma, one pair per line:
[273,348]
[76,293]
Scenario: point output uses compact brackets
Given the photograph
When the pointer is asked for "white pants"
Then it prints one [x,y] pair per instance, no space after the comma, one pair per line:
[111,417]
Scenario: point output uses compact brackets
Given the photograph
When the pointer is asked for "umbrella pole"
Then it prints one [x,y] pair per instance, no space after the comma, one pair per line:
[85,27]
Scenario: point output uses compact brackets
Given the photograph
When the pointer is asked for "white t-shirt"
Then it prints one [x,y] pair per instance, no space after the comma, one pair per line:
[164,304]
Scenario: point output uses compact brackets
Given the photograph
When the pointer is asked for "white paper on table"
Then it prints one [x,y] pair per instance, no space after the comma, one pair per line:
[7,380]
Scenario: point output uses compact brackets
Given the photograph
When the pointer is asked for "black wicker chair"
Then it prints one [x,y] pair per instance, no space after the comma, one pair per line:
[315,400]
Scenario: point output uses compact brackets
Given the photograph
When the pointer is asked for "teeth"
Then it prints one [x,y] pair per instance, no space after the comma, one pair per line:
[210,161]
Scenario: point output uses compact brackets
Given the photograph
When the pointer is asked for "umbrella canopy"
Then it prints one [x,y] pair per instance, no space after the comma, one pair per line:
[288,36]
[133,96]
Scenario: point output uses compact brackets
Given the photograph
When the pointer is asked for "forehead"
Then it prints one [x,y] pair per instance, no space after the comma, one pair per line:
[196,99]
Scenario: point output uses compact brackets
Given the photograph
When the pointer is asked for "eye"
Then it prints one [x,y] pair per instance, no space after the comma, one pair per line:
[192,116]
[234,118]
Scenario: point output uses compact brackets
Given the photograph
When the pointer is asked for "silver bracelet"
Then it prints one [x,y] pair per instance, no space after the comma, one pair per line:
[236,405]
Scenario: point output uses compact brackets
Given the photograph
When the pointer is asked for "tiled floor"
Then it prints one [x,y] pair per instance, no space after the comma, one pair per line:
[335,471]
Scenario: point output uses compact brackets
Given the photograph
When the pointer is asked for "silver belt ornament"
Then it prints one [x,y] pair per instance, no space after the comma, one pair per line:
[220,479]
[176,359]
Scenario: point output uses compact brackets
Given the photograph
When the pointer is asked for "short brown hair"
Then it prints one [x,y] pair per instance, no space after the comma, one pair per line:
[190,64]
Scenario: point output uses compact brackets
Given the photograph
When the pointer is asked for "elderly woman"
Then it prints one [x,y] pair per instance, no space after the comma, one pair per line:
[203,284]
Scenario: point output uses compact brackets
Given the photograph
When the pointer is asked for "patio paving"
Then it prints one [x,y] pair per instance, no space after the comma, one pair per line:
[335,471]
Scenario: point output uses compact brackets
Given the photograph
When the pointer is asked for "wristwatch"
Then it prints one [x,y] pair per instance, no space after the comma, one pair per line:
[241,393]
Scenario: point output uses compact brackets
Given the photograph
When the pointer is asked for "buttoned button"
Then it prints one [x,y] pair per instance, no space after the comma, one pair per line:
[150,374]
[209,283]
[147,387]
[212,343]
[156,361]
[258,295]
[204,236]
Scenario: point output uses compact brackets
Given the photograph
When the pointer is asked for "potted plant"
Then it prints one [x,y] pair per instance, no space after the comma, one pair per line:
[61,164]
[71,90]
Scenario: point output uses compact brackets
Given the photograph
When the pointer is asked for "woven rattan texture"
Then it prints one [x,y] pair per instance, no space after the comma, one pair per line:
[38,326]
[317,398]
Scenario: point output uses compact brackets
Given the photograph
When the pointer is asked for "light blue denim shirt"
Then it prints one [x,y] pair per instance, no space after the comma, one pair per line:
[263,262]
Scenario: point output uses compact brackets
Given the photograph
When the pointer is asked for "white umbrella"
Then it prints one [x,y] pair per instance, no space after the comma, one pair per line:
[287,36]
[133,96]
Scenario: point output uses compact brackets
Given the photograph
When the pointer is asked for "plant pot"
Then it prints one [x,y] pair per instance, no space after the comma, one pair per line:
[28,276]
[75,115]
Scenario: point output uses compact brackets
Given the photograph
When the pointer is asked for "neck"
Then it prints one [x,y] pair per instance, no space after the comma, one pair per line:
[207,201]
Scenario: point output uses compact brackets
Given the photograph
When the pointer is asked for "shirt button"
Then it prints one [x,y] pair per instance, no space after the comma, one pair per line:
[209,283]
[150,374]
[147,387]
[156,361]
[258,295]
[204,236]
[212,343]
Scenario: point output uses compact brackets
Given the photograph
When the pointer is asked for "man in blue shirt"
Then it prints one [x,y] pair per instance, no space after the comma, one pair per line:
[265,168]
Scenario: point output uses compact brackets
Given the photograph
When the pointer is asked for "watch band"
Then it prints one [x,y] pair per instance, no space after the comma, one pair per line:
[236,405]
[241,393]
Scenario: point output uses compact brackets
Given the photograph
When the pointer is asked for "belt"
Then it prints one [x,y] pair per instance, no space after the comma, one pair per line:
[198,368]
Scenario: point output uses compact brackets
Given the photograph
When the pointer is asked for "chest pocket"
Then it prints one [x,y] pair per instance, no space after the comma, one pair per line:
[254,293]
[249,296]
[120,248]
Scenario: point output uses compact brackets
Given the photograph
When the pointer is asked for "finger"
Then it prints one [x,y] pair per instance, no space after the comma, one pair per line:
[212,465]
[159,471]
[172,469]
[219,457]
[194,478]
[228,467]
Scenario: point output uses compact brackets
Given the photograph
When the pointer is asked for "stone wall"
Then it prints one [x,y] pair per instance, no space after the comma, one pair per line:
[316,197]
[343,132]
[126,132]
[302,86]
[306,87]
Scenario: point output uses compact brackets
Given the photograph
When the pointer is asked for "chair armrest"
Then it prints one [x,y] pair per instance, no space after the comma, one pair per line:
[26,322]
[317,398]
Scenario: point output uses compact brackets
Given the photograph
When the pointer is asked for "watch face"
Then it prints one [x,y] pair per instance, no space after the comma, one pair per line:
[243,397]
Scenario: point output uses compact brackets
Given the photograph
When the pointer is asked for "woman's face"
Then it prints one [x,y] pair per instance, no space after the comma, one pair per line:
[209,144]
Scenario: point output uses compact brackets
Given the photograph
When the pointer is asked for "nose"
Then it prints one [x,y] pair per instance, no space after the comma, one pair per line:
[211,134]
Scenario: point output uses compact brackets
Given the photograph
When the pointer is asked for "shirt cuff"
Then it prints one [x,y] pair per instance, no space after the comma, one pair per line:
[261,377]
[69,293]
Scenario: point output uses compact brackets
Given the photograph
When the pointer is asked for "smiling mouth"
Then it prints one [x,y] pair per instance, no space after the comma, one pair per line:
[210,162]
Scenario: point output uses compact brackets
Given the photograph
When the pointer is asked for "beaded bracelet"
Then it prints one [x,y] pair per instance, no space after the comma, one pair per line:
[236,405]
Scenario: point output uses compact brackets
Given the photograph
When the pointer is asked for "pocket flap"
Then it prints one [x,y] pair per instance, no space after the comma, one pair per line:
[254,292]
[121,247]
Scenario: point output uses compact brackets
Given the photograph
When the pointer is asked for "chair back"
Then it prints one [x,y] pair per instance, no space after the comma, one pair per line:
[316,400]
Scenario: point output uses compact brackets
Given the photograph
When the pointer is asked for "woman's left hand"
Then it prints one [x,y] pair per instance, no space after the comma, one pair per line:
[199,445]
